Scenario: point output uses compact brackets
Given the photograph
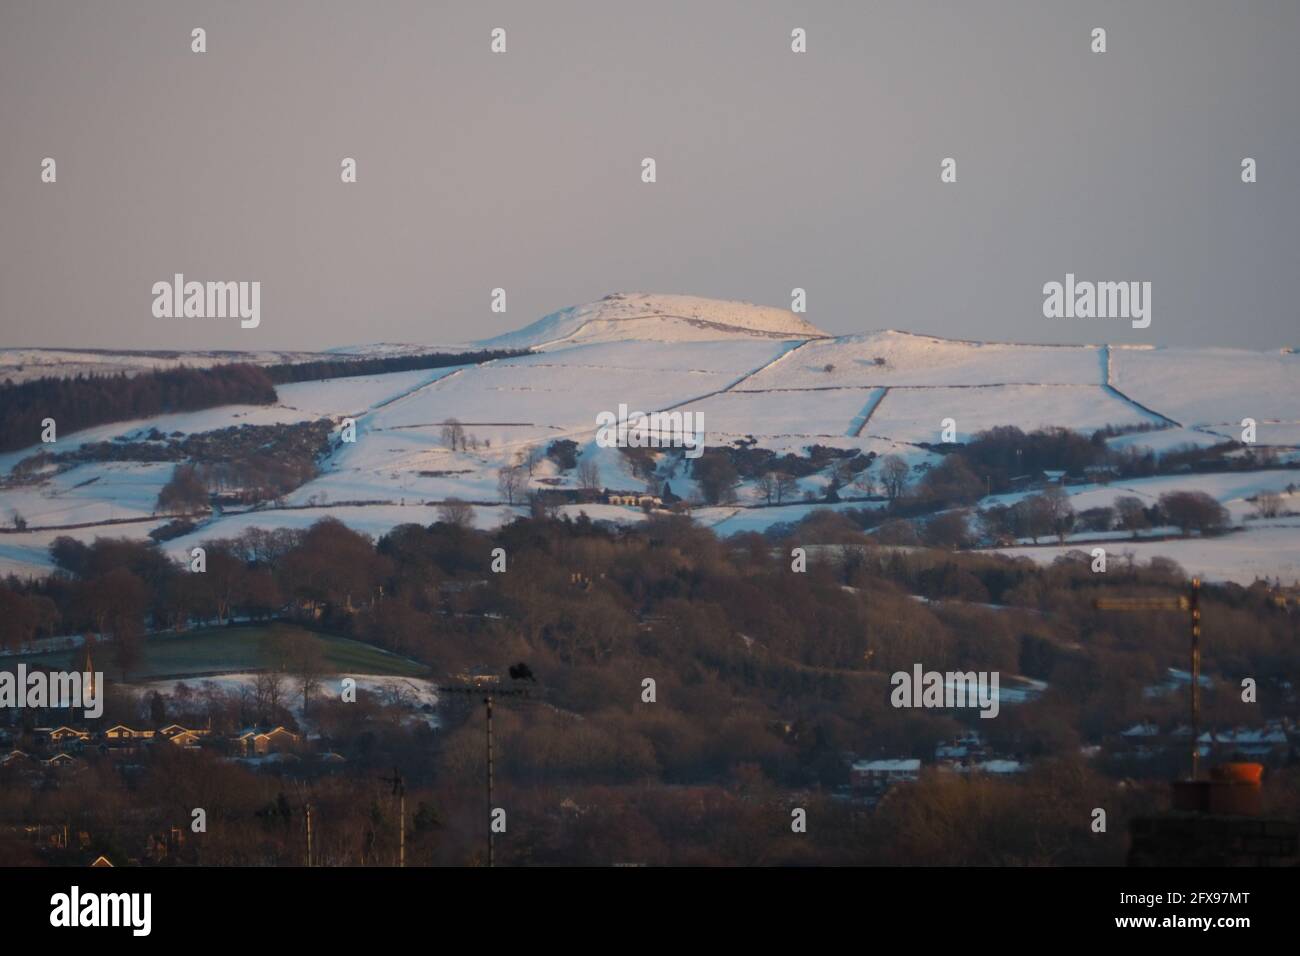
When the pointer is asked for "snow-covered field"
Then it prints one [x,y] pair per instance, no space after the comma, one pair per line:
[411,693]
[1211,386]
[751,371]
[917,414]
[901,358]
[1269,550]
[1230,489]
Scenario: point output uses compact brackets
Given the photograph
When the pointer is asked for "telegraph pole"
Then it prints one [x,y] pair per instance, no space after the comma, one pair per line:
[1194,608]
[399,791]
[489,688]
[491,843]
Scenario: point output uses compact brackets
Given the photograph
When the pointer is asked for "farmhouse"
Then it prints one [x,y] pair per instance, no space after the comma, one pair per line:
[255,743]
[121,732]
[61,761]
[14,758]
[172,731]
[62,737]
[877,776]
[633,499]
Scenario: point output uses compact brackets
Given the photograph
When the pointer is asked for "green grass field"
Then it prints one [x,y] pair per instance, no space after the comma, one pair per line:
[233,649]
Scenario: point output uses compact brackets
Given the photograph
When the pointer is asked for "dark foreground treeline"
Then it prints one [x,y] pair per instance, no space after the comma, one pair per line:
[767,683]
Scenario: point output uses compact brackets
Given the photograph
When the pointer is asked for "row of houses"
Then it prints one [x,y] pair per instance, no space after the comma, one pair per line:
[1274,740]
[58,746]
[119,735]
[633,500]
[967,754]
[20,760]
[874,777]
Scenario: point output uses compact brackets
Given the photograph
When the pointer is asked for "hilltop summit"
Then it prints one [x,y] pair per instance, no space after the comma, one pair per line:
[625,316]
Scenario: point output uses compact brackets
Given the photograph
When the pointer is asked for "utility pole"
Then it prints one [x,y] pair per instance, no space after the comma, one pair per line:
[399,791]
[492,856]
[489,687]
[1191,603]
[1194,609]
[308,810]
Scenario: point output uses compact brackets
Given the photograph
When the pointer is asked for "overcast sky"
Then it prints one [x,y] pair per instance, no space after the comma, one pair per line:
[522,170]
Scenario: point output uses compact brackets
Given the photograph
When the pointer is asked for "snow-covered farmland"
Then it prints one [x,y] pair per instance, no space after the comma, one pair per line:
[750,370]
[411,693]
[917,414]
[1269,551]
[1211,386]
[813,416]
[901,358]
[110,491]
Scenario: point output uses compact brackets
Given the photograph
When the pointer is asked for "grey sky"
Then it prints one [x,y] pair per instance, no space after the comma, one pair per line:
[522,170]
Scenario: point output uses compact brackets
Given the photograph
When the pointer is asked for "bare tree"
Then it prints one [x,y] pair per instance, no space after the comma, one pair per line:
[268,693]
[459,514]
[786,486]
[532,457]
[865,483]
[589,475]
[544,504]
[1194,511]
[1058,511]
[453,434]
[1036,514]
[893,476]
[1268,504]
[186,492]
[307,664]
[1132,513]
[510,482]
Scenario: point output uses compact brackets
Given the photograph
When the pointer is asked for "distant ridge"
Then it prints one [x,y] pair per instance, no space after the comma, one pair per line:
[625,316]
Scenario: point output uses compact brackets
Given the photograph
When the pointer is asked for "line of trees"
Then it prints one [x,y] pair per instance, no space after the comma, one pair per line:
[764,677]
[344,367]
[89,400]
[85,401]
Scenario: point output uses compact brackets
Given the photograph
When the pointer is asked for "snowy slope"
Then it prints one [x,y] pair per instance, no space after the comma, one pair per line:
[751,371]
[664,318]
[1212,386]
[901,358]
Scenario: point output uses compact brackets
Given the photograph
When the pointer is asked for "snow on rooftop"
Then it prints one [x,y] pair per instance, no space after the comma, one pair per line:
[907,765]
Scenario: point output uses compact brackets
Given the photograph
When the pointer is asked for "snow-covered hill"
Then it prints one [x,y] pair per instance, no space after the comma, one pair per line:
[629,316]
[756,374]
